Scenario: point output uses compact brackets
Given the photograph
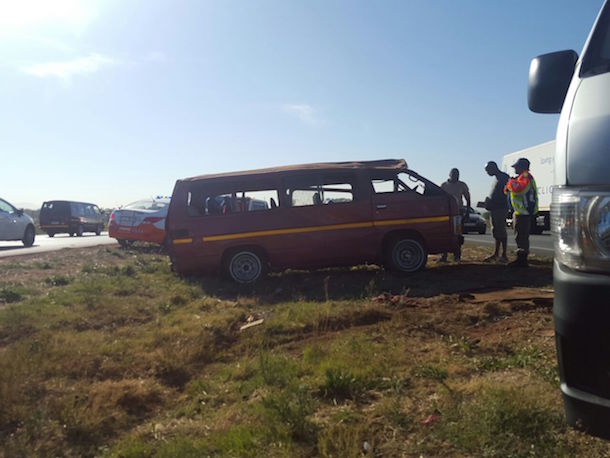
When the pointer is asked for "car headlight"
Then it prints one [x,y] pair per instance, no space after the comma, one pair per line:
[580,221]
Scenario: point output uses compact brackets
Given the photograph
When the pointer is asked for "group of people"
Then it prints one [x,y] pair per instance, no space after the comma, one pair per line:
[518,194]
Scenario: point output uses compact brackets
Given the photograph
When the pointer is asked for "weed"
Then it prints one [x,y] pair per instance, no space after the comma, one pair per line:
[341,384]
[342,440]
[9,295]
[276,370]
[43,265]
[505,422]
[291,407]
[57,280]
[178,300]
[165,308]
[527,357]
[371,289]
[314,354]
[432,372]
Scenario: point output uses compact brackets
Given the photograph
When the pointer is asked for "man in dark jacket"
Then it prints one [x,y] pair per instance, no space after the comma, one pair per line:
[497,205]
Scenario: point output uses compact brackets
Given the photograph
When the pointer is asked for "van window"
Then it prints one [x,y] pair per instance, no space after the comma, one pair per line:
[56,208]
[597,57]
[401,182]
[319,190]
[210,202]
[77,209]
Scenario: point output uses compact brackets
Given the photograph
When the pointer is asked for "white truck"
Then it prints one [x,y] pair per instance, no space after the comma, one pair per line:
[541,159]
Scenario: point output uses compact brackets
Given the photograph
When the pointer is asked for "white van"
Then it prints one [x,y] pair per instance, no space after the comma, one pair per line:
[579,89]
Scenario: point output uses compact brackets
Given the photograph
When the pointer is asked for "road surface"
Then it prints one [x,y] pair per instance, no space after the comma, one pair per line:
[44,243]
[539,244]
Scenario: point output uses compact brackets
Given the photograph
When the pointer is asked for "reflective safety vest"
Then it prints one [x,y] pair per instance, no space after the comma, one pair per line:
[523,194]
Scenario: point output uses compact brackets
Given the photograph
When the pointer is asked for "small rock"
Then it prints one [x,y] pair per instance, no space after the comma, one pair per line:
[366,447]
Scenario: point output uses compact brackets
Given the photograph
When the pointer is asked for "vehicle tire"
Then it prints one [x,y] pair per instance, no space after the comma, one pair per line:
[124,243]
[406,255]
[28,236]
[79,231]
[245,267]
[98,230]
[483,230]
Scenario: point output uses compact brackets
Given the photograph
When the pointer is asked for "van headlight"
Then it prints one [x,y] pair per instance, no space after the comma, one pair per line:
[599,223]
[580,221]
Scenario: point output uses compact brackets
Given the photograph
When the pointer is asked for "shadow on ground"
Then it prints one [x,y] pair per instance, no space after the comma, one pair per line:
[367,281]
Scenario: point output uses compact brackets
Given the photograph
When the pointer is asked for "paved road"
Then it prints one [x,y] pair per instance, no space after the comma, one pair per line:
[539,244]
[44,243]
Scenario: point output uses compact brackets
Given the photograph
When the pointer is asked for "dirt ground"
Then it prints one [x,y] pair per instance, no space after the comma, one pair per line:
[404,358]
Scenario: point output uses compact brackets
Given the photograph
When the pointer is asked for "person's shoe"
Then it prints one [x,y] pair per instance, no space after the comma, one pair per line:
[519,262]
[502,260]
[442,259]
[492,258]
[457,259]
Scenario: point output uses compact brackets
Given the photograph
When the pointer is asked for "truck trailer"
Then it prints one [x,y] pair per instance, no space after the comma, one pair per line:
[541,159]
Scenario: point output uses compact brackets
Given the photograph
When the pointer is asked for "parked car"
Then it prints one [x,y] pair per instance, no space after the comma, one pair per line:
[315,215]
[67,217]
[474,222]
[16,225]
[143,220]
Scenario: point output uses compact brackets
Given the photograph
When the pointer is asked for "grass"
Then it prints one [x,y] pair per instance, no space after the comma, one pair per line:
[111,354]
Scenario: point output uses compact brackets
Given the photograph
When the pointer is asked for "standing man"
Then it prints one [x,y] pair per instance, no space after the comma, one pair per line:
[497,205]
[459,190]
[523,195]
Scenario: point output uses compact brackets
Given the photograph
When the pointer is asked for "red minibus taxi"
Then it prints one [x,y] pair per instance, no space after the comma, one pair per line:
[309,216]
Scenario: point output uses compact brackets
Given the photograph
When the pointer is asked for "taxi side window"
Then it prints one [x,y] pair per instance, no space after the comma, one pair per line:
[320,190]
[240,199]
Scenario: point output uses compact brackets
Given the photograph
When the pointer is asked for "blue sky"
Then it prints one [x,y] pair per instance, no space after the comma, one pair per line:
[113,101]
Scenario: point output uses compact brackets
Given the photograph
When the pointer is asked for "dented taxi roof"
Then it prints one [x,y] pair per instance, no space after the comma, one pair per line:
[386,164]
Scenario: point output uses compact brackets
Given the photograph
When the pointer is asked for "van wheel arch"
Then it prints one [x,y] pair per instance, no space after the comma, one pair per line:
[257,251]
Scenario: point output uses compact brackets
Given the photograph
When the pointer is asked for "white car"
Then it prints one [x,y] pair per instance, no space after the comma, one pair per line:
[16,225]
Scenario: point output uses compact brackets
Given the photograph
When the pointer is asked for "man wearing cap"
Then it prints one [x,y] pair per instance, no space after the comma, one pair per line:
[497,206]
[523,195]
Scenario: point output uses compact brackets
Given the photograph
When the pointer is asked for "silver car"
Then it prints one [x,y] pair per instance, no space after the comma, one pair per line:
[16,225]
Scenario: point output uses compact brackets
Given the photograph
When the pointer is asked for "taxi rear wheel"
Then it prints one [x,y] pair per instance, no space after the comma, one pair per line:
[406,255]
[245,266]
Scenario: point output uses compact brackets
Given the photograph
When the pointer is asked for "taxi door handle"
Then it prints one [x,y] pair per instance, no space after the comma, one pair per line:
[381,207]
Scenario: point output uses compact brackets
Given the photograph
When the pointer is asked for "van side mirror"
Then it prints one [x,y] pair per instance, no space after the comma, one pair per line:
[549,79]
[20,211]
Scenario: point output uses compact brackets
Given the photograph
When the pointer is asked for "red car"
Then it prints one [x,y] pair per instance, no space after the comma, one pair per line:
[143,220]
